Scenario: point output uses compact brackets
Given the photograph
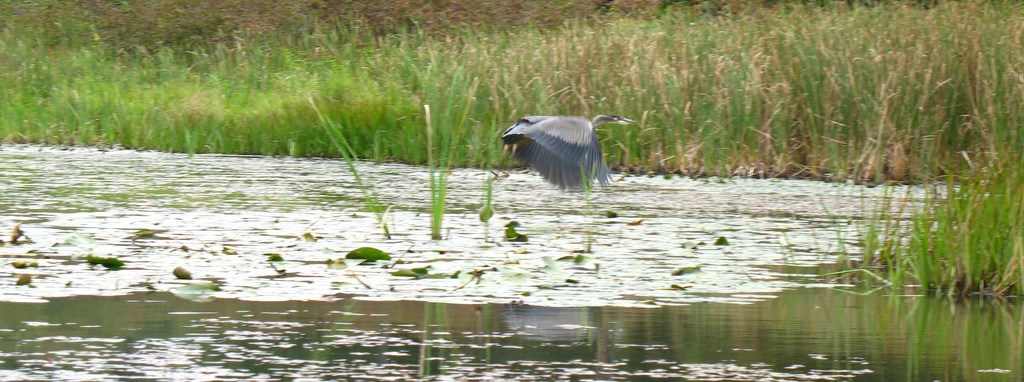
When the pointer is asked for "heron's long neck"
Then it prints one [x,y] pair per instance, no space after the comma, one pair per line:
[599,120]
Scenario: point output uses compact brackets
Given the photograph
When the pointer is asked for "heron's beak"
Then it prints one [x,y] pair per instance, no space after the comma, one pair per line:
[626,121]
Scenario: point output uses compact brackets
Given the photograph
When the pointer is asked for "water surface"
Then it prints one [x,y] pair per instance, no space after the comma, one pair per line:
[220,216]
[812,334]
[701,279]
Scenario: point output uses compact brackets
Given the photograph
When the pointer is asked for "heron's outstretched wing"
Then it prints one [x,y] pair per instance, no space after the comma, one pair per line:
[564,150]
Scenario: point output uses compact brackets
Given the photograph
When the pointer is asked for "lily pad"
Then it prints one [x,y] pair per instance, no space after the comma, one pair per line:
[197,291]
[111,263]
[550,266]
[686,270]
[611,214]
[274,257]
[78,240]
[24,280]
[511,234]
[514,275]
[413,272]
[306,236]
[721,241]
[368,254]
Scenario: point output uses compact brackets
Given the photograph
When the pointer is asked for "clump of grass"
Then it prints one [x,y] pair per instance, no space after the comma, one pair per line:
[968,238]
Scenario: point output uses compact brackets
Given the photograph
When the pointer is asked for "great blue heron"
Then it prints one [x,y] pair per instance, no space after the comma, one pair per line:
[564,150]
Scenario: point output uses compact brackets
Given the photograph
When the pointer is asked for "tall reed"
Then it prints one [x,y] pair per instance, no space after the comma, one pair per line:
[337,137]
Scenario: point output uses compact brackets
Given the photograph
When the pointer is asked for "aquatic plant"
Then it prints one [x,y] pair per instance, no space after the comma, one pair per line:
[449,144]
[337,137]
[967,238]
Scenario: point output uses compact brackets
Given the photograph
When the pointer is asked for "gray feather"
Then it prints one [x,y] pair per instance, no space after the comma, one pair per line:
[564,150]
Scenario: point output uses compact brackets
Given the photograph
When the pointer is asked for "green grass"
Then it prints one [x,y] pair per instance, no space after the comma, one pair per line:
[968,238]
[871,94]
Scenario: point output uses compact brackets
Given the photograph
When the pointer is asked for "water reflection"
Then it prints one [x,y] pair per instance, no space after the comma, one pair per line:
[807,334]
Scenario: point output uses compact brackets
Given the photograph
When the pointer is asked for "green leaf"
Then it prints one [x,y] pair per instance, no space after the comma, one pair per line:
[24,280]
[274,257]
[414,272]
[611,214]
[111,263]
[678,287]
[228,251]
[721,241]
[368,254]
[197,291]
[511,234]
[306,236]
[686,270]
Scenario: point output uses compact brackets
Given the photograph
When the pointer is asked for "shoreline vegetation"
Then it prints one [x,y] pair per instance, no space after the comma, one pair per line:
[869,92]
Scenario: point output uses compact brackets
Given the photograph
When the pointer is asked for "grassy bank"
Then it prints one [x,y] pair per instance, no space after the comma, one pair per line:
[897,93]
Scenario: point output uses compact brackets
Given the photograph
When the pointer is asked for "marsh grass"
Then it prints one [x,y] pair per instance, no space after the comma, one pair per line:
[968,238]
[337,137]
[869,94]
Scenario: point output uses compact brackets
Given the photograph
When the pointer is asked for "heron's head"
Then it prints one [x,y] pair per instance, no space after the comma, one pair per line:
[614,118]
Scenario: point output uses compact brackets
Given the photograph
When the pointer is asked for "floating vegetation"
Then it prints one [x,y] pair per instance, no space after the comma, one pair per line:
[22,264]
[721,240]
[686,270]
[24,280]
[79,240]
[368,254]
[111,263]
[413,272]
[274,257]
[611,214]
[199,291]
[146,233]
[511,234]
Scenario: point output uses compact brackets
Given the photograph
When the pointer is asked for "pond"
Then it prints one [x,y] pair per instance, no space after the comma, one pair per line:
[692,278]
